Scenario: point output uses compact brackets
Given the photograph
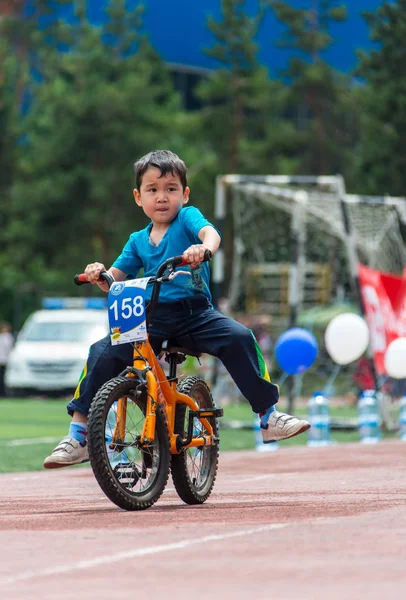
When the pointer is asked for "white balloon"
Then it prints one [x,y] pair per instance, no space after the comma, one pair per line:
[395,359]
[346,338]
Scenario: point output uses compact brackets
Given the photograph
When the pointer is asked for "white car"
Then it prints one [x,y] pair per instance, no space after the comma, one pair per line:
[51,350]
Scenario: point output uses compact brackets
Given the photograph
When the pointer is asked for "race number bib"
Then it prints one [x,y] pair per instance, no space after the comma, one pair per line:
[127,311]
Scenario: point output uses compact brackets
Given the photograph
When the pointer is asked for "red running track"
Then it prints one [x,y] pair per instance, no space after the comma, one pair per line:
[299,524]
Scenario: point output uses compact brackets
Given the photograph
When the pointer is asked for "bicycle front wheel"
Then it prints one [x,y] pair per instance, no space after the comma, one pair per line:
[131,476]
[194,470]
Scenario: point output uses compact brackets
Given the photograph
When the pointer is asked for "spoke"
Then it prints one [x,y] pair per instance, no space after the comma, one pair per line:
[131,457]
[196,457]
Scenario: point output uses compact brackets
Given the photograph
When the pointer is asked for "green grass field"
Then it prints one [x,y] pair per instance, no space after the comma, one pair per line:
[25,423]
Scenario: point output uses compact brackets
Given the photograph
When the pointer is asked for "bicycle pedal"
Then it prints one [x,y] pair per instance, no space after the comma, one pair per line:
[127,474]
[207,412]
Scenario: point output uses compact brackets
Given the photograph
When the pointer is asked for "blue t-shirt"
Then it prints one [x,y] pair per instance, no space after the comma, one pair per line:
[139,252]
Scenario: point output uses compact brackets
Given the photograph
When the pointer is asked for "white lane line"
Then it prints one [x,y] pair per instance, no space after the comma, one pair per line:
[30,441]
[261,477]
[26,477]
[112,558]
[255,478]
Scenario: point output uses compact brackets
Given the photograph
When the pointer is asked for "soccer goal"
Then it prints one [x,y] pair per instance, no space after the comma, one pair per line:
[292,244]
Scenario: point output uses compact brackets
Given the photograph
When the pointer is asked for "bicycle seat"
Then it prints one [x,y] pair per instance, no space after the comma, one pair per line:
[168,348]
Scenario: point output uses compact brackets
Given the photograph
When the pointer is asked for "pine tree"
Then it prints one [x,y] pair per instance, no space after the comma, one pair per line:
[99,98]
[381,154]
[241,102]
[320,98]
[11,84]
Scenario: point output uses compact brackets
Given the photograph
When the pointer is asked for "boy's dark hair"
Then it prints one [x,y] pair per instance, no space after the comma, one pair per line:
[165,161]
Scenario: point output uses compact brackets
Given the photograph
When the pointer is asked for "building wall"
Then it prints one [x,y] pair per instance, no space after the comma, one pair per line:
[178,31]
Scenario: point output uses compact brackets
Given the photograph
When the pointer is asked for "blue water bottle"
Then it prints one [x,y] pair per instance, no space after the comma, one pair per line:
[402,418]
[369,420]
[259,442]
[319,419]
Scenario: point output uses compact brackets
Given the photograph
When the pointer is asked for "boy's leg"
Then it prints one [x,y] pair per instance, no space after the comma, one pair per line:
[237,348]
[104,362]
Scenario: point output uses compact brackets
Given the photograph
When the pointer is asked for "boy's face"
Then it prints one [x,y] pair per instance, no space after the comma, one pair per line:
[161,196]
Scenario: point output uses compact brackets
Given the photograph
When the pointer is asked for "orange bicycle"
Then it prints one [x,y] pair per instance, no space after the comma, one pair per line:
[144,424]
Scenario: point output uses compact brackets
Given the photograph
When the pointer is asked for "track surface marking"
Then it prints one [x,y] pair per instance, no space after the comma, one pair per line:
[297,524]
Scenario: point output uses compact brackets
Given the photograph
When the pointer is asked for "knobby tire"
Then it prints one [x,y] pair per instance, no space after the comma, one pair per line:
[108,477]
[190,488]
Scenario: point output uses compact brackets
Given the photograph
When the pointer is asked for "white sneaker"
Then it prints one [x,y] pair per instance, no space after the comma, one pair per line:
[282,426]
[68,452]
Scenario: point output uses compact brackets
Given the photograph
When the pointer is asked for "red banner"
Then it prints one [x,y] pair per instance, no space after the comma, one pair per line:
[384,300]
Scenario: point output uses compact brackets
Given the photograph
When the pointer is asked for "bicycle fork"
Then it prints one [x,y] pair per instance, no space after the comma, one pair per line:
[148,430]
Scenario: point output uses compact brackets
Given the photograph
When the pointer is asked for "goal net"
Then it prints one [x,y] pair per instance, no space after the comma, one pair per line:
[291,245]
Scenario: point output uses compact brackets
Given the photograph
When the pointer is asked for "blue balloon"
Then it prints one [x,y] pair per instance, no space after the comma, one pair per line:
[296,350]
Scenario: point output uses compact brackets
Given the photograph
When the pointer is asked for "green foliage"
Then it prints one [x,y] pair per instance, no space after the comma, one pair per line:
[381,153]
[226,90]
[235,47]
[102,99]
[11,87]
[308,28]
[242,106]
[80,103]
[320,99]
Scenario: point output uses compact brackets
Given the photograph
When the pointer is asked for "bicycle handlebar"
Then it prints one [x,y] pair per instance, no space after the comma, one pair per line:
[169,265]
[177,261]
[103,276]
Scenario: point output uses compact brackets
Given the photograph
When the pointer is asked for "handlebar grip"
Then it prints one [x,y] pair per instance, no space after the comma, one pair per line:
[103,276]
[178,261]
[80,279]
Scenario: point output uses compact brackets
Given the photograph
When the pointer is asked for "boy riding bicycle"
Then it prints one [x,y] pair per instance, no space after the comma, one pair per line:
[184,314]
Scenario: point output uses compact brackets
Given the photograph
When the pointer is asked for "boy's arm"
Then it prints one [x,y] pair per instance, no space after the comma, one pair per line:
[93,271]
[210,238]
[210,241]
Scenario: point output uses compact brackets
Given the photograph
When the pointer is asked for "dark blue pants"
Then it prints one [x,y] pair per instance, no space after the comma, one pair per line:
[193,324]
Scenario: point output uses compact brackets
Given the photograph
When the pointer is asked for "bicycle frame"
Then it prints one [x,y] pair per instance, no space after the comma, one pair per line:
[162,392]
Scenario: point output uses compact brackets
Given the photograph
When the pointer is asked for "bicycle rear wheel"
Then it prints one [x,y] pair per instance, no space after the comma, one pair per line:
[194,470]
[132,477]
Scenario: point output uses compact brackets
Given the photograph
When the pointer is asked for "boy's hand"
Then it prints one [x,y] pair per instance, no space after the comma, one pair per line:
[92,273]
[195,254]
